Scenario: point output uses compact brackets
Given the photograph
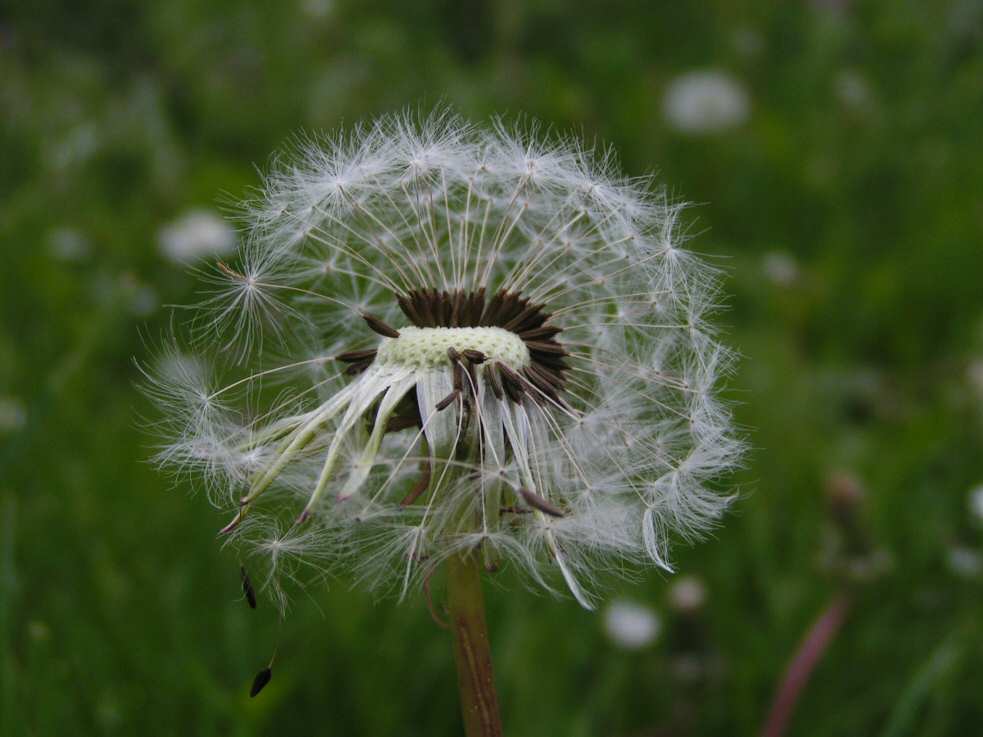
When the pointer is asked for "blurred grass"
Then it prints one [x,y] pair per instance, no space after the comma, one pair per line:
[861,165]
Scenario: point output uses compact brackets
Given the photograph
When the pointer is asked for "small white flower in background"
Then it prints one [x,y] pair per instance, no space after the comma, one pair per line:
[747,42]
[631,626]
[12,414]
[976,503]
[704,102]
[687,595]
[67,244]
[780,268]
[964,561]
[852,90]
[141,299]
[317,9]
[195,235]
[974,375]
[484,341]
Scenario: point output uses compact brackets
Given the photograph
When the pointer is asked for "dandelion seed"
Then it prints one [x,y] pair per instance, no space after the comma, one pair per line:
[522,362]
[260,681]
[247,587]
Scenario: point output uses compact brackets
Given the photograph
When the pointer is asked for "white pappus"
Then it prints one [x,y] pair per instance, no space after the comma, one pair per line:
[453,338]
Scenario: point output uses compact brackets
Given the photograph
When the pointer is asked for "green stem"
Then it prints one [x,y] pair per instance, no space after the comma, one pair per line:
[472,651]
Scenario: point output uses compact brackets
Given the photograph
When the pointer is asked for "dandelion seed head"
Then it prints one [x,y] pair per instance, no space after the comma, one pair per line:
[437,338]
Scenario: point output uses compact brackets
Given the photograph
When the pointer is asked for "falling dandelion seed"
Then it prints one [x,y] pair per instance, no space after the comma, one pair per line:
[247,587]
[260,681]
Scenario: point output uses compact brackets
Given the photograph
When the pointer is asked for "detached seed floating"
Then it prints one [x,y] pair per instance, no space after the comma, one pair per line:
[260,681]
[247,587]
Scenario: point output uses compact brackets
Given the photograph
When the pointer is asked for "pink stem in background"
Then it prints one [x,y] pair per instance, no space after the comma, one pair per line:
[815,643]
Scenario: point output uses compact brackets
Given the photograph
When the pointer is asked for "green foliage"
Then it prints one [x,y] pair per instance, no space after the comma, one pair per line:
[861,165]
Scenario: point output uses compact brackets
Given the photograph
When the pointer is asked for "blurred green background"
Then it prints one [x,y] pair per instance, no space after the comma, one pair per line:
[836,153]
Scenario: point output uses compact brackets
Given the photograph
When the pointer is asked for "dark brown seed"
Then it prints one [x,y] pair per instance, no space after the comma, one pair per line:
[457,375]
[512,383]
[537,502]
[400,422]
[247,587]
[542,333]
[557,363]
[521,317]
[424,305]
[540,384]
[356,356]
[476,307]
[472,378]
[546,374]
[509,375]
[474,356]
[379,326]
[494,380]
[533,321]
[409,309]
[514,510]
[457,306]
[511,306]
[444,309]
[488,315]
[260,681]
[447,401]
[546,346]
[420,486]
[434,296]
[356,368]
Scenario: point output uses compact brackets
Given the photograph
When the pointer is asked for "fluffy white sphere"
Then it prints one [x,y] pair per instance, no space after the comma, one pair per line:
[488,341]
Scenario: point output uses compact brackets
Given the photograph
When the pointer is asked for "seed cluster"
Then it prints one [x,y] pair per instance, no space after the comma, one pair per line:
[542,380]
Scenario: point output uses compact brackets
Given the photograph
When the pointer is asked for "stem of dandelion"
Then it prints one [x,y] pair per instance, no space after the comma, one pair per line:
[472,650]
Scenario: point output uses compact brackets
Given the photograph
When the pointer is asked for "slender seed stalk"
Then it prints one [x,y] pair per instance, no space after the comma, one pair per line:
[472,649]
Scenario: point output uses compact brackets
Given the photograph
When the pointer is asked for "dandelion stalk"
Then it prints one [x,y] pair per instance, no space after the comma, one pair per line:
[472,648]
